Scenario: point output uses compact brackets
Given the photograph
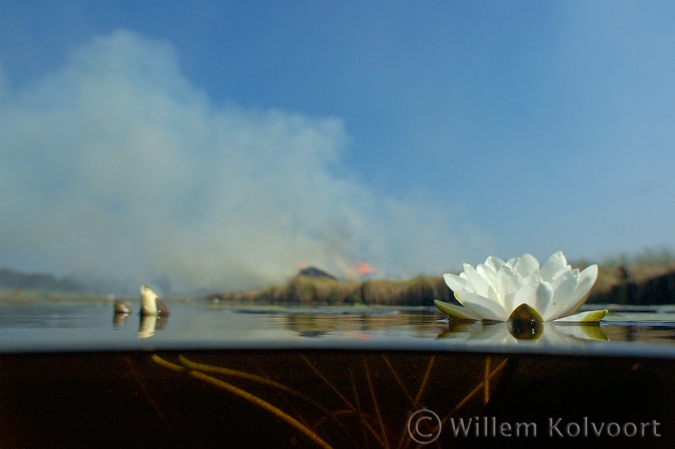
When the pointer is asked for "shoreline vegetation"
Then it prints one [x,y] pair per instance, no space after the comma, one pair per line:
[632,285]
[420,291]
[646,278]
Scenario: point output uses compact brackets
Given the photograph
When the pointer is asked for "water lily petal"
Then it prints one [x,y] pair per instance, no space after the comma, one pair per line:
[456,311]
[562,271]
[495,262]
[479,283]
[553,265]
[526,265]
[592,316]
[492,294]
[565,284]
[508,284]
[533,278]
[457,282]
[487,308]
[489,274]
[586,280]
[538,296]
[563,290]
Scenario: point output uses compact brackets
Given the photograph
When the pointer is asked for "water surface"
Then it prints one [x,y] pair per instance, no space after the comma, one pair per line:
[194,324]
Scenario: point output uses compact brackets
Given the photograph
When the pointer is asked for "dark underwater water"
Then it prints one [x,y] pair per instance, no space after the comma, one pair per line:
[77,375]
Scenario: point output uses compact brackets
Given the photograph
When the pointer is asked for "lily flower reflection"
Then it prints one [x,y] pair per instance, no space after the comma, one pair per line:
[150,324]
[521,289]
[147,327]
[524,332]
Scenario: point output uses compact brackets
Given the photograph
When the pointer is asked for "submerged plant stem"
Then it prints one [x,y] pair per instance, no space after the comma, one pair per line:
[327,382]
[475,390]
[264,405]
[420,392]
[486,381]
[398,380]
[141,384]
[377,409]
[241,374]
[166,364]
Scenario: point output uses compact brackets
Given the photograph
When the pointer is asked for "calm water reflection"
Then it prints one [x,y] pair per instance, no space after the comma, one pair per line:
[63,326]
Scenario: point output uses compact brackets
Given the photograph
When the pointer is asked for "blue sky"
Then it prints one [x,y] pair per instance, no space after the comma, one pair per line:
[225,144]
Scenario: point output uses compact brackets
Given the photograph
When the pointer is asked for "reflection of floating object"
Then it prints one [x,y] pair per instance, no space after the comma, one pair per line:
[147,328]
[122,312]
[151,305]
[313,312]
[525,329]
[150,324]
[520,331]
[120,319]
[313,334]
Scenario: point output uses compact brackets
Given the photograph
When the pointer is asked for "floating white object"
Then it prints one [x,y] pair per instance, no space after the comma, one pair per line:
[151,305]
[520,288]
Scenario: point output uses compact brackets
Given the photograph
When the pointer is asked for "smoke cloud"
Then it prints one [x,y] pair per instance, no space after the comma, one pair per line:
[116,167]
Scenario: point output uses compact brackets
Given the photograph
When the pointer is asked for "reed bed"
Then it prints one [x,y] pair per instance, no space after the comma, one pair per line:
[632,285]
[420,291]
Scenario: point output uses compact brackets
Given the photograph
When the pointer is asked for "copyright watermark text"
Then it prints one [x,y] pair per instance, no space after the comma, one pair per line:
[424,427]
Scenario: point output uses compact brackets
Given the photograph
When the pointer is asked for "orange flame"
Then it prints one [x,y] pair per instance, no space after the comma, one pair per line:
[364,268]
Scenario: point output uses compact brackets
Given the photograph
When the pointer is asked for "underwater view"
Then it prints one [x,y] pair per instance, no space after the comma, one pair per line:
[214,375]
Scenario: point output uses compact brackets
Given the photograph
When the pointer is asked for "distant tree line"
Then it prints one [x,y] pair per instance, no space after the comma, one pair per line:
[39,281]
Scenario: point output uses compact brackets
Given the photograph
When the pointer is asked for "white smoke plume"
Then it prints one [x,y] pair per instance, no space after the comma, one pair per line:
[116,167]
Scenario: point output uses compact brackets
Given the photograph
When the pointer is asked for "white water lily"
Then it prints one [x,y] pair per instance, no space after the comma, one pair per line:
[521,288]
